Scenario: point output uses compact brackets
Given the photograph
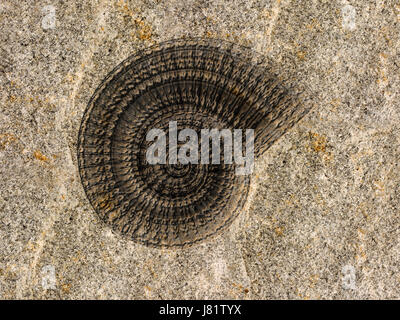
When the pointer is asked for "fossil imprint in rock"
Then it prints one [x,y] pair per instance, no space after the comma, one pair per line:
[199,84]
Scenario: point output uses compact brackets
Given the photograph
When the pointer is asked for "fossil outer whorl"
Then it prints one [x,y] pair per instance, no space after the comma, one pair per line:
[200,84]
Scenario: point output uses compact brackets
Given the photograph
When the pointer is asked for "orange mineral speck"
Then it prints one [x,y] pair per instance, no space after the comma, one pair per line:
[318,142]
[301,55]
[5,139]
[66,287]
[38,155]
[279,231]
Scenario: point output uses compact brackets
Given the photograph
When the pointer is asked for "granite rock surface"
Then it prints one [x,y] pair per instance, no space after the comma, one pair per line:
[323,219]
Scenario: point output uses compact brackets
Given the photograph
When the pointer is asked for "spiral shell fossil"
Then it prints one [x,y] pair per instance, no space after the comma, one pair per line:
[198,84]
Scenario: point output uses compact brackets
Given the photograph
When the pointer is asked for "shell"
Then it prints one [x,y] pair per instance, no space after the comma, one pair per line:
[200,84]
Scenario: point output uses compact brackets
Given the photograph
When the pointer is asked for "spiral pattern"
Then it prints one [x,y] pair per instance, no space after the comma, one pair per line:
[200,84]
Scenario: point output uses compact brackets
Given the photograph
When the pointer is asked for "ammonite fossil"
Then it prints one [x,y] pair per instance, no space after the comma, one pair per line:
[197,84]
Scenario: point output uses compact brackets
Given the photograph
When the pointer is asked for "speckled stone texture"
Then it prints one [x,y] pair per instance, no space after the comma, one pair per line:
[325,198]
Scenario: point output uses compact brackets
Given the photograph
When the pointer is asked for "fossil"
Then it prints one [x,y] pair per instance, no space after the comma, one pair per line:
[199,83]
